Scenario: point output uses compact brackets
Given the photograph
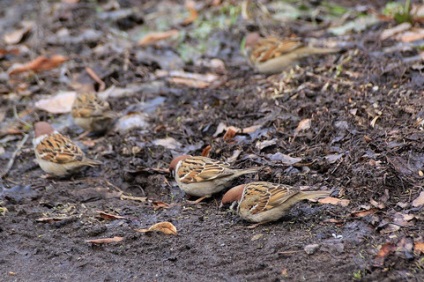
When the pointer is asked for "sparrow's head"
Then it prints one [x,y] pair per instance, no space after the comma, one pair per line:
[174,163]
[42,128]
[233,195]
[251,39]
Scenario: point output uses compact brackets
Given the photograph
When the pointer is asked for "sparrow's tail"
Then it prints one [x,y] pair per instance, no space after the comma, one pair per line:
[309,50]
[248,170]
[91,162]
[305,195]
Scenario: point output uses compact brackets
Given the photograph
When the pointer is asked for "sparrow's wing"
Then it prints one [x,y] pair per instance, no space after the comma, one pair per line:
[202,169]
[59,149]
[263,196]
[269,48]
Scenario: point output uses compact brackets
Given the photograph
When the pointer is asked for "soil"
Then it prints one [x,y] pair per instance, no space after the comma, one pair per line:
[365,143]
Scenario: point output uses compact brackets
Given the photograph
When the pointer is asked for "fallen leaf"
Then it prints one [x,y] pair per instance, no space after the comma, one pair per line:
[384,251]
[169,143]
[251,129]
[58,104]
[283,158]
[229,135]
[16,36]
[364,213]
[105,240]
[156,37]
[190,5]
[387,33]
[39,64]
[257,237]
[164,227]
[304,124]
[334,201]
[419,247]
[419,201]
[7,51]
[109,216]
[411,36]
[52,219]
[377,204]
[389,228]
[206,151]
[189,82]
[160,205]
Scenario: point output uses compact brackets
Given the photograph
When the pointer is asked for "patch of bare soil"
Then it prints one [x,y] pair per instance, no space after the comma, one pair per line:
[365,142]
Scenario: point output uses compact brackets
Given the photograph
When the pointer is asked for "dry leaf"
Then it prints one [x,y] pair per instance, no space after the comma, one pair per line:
[190,5]
[40,64]
[377,204]
[364,213]
[419,201]
[105,240]
[304,124]
[160,205]
[206,151]
[413,35]
[16,36]
[189,82]
[164,227]
[229,135]
[109,216]
[52,219]
[58,104]
[384,251]
[13,51]
[156,37]
[251,129]
[334,201]
[387,33]
[419,247]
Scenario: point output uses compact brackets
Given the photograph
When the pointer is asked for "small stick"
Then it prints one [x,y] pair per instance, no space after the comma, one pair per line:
[96,78]
[12,159]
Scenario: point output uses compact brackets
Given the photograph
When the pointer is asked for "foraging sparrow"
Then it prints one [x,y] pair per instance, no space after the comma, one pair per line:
[272,55]
[91,113]
[202,177]
[56,154]
[264,201]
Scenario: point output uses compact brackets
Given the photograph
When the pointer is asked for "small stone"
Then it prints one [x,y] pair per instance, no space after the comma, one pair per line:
[311,249]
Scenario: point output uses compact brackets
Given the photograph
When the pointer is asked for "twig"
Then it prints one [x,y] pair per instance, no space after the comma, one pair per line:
[12,159]
[96,78]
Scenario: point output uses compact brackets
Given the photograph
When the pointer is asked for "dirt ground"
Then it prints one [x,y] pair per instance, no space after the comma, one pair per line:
[365,142]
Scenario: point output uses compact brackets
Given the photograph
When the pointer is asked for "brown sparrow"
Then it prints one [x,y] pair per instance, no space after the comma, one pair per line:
[202,176]
[272,55]
[92,114]
[56,154]
[263,202]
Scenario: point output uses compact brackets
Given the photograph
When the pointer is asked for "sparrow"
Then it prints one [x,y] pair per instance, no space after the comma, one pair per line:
[272,54]
[263,202]
[92,114]
[56,154]
[201,176]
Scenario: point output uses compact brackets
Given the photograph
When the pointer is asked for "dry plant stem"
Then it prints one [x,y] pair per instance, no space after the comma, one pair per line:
[253,226]
[133,198]
[12,159]
[197,201]
[96,78]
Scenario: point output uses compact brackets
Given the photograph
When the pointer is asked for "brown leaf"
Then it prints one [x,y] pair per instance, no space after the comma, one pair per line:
[13,51]
[364,213]
[419,201]
[164,227]
[229,135]
[251,129]
[384,251]
[156,37]
[109,216]
[334,201]
[304,124]
[58,104]
[51,219]
[40,64]
[206,151]
[419,247]
[160,205]
[16,36]
[190,5]
[105,240]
